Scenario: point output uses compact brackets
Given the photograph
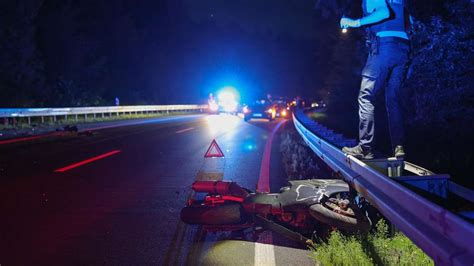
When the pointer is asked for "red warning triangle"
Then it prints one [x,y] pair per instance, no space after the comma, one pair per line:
[214,151]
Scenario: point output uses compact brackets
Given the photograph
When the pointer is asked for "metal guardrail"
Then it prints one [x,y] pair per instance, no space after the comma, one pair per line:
[94,111]
[444,236]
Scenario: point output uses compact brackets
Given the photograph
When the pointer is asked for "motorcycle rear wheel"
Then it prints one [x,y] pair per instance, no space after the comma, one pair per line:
[230,213]
[325,213]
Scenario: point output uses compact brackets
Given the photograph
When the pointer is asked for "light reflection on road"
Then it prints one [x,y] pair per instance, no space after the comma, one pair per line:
[223,123]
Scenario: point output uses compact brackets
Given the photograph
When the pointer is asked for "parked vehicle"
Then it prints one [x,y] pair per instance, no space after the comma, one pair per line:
[282,110]
[297,211]
[260,109]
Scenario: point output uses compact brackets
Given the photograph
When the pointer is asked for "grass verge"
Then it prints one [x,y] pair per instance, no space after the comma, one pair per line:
[298,159]
[376,248]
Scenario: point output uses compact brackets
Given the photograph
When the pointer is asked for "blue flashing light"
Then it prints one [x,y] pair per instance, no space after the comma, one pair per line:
[228,99]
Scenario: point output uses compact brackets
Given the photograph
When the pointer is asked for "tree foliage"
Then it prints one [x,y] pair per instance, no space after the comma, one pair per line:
[438,99]
[440,81]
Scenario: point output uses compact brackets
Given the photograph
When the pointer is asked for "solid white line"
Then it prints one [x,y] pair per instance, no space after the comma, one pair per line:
[264,254]
[184,130]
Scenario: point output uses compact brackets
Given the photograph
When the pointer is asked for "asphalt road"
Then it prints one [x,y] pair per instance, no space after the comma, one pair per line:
[114,196]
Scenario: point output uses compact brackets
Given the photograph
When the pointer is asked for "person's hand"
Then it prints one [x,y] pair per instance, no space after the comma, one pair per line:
[349,23]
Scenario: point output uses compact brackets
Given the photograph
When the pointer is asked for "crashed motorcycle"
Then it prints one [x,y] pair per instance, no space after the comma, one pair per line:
[298,211]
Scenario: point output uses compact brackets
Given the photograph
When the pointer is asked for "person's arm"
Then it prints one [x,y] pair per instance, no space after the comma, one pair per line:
[380,12]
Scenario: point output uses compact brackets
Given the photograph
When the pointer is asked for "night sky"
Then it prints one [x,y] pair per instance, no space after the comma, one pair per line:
[280,17]
[67,53]
[255,46]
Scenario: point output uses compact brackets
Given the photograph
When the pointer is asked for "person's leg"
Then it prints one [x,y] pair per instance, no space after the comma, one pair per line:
[392,99]
[371,83]
[374,76]
[366,111]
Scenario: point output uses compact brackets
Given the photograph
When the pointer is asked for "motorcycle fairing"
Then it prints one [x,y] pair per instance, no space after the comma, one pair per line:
[311,191]
[299,194]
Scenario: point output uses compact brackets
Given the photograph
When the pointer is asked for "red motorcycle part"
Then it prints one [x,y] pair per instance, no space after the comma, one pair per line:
[218,199]
[223,188]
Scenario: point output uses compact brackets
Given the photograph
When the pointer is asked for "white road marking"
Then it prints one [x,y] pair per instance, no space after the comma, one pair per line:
[264,254]
[184,130]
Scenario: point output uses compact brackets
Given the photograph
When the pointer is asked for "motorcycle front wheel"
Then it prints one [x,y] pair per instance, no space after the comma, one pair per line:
[350,219]
[230,213]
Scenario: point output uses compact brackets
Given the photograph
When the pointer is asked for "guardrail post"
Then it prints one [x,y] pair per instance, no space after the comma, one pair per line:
[75,117]
[94,115]
[102,115]
[29,120]
[42,119]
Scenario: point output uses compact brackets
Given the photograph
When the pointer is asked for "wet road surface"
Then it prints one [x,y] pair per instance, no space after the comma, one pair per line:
[114,196]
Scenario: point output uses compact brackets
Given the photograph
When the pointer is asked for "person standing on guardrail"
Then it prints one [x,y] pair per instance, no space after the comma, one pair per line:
[387,22]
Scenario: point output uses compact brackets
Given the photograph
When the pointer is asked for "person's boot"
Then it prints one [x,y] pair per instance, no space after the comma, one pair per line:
[359,152]
[399,152]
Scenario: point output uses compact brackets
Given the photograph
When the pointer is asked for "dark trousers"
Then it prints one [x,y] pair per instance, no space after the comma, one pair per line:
[386,67]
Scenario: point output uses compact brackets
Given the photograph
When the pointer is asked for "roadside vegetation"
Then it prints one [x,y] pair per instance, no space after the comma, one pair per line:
[376,248]
[298,159]
[318,116]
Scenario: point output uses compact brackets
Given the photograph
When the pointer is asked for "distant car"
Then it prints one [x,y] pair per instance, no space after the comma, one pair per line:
[260,109]
[282,110]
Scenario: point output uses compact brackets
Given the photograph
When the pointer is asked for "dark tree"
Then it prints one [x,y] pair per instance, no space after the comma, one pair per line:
[22,76]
